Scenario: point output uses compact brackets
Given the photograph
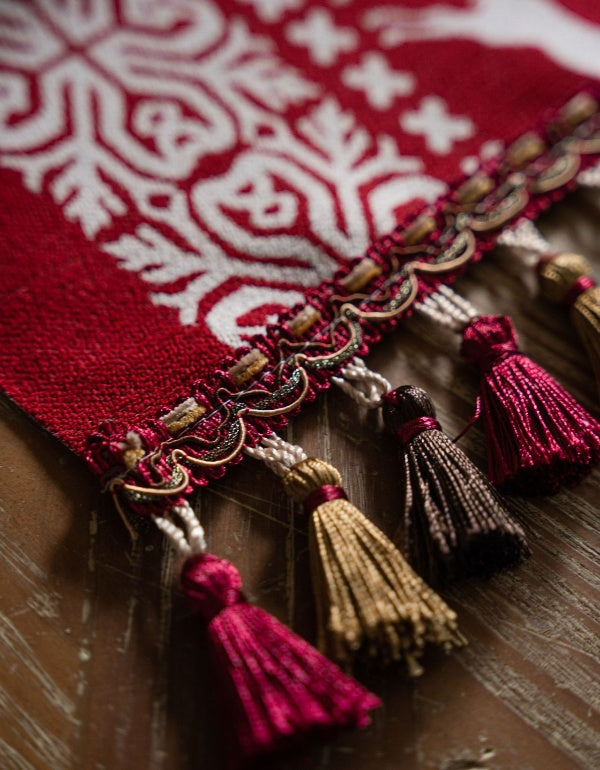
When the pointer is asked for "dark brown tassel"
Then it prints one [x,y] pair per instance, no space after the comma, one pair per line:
[454,523]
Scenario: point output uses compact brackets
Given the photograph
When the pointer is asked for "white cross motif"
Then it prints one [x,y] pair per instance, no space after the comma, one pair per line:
[324,40]
[439,128]
[378,80]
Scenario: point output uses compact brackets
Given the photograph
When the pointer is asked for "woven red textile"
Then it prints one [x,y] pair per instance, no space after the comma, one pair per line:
[173,173]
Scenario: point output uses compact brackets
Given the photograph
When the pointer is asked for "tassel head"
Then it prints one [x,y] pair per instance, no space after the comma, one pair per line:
[308,476]
[211,584]
[369,599]
[538,437]
[408,411]
[488,341]
[559,276]
[404,404]
[453,522]
[274,688]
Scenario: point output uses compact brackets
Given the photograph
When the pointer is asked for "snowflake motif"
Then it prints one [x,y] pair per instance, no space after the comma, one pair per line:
[439,128]
[378,80]
[323,166]
[327,152]
[182,109]
[108,106]
[325,41]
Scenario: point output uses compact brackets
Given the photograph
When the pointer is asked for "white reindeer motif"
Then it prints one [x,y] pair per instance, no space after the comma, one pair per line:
[565,37]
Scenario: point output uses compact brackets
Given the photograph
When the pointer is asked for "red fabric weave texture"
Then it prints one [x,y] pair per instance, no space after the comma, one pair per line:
[173,173]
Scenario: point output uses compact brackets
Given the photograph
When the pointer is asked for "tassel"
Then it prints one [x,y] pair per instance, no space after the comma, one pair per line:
[274,687]
[454,523]
[565,279]
[368,597]
[538,437]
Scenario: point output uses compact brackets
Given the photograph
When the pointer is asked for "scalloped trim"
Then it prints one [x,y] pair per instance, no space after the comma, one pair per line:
[155,463]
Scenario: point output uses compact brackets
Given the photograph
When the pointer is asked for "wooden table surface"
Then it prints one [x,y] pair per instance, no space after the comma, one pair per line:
[103,667]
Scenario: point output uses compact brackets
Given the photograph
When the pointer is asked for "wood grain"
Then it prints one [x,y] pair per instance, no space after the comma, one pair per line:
[103,667]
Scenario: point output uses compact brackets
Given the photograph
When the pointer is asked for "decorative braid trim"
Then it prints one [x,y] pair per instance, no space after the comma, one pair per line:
[151,467]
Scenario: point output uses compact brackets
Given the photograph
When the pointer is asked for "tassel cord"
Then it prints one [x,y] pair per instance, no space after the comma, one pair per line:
[183,529]
[363,385]
[448,309]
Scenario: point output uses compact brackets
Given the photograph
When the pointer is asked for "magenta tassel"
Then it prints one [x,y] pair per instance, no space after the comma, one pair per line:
[275,687]
[538,437]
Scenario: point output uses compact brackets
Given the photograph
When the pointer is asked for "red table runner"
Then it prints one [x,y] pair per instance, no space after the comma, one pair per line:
[175,173]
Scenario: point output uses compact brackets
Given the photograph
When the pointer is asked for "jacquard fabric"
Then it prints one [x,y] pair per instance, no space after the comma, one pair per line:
[175,173]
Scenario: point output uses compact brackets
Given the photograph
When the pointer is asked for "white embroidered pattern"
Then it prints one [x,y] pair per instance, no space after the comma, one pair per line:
[161,262]
[439,128]
[380,83]
[565,37]
[325,41]
[322,168]
[115,107]
[184,107]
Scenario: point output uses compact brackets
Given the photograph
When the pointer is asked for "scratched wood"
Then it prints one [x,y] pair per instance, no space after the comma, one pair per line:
[103,667]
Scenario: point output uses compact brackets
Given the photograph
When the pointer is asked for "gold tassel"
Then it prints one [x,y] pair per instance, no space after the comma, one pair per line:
[368,598]
[565,278]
